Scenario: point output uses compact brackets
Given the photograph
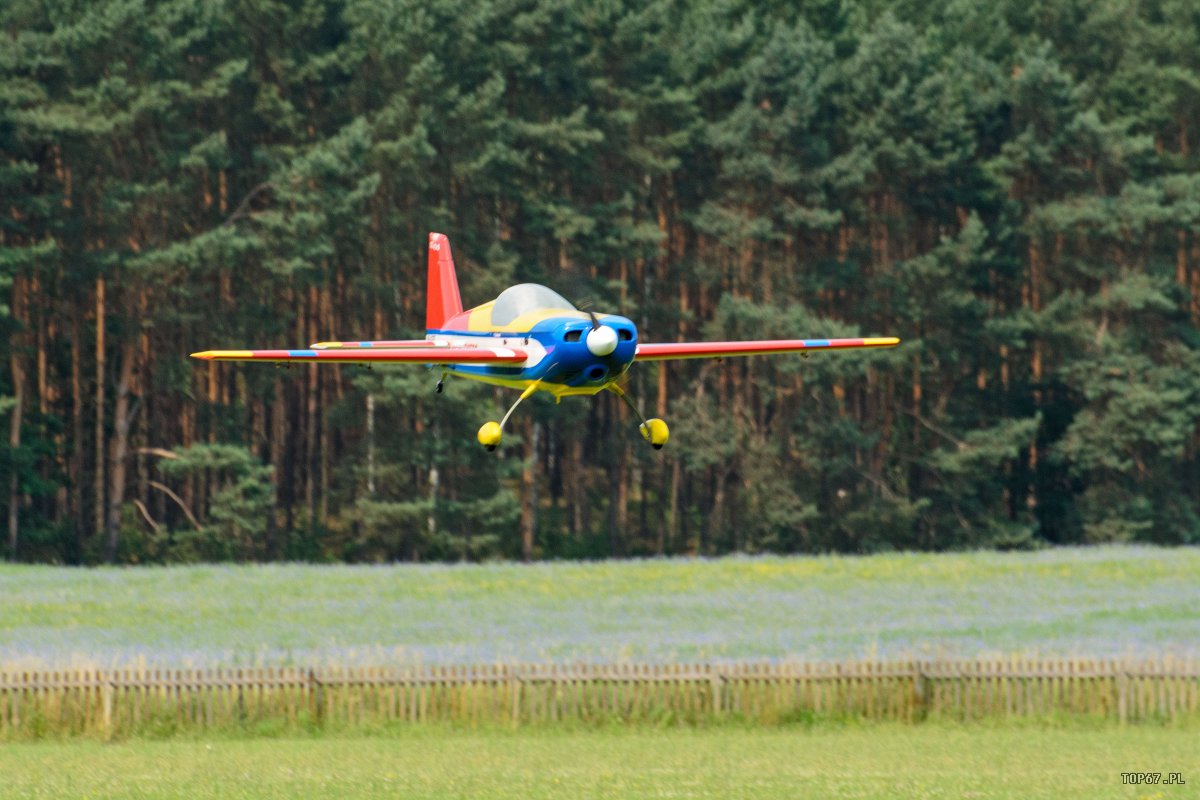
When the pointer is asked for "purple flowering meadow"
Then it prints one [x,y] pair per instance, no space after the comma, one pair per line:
[1098,601]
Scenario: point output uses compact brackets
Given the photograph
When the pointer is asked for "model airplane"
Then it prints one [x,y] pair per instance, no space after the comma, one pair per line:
[528,338]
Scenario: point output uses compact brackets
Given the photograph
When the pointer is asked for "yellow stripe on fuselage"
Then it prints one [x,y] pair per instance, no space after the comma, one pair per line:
[480,319]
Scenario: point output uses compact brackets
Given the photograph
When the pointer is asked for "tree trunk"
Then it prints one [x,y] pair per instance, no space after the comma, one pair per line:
[123,416]
[312,409]
[277,438]
[623,474]
[573,477]
[370,444]
[325,388]
[14,442]
[433,480]
[717,519]
[672,524]
[75,470]
[43,382]
[529,492]
[618,516]
[98,489]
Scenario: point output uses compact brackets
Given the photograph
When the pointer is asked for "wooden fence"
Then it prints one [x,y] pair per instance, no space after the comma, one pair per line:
[108,703]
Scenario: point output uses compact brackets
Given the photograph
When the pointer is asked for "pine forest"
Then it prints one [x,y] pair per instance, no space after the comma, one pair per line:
[1008,186]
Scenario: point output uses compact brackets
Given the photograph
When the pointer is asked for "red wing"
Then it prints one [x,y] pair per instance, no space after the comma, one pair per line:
[673,350]
[412,355]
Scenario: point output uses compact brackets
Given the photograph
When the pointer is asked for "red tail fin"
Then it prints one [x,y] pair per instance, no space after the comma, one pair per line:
[443,301]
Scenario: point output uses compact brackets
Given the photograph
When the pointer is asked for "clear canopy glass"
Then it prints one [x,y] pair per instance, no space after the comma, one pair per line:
[523,298]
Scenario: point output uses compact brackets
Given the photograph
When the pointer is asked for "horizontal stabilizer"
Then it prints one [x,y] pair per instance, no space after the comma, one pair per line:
[675,350]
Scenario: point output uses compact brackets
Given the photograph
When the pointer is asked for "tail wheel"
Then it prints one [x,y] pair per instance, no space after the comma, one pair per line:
[655,431]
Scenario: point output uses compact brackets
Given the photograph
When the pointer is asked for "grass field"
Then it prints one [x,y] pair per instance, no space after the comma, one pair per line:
[881,761]
[1098,601]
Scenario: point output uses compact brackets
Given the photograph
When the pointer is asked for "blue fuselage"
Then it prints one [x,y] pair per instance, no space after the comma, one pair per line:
[559,357]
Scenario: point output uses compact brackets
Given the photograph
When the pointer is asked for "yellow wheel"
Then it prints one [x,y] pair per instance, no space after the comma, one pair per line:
[489,435]
[655,432]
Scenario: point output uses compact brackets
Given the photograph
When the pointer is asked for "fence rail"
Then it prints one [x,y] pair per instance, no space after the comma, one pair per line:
[110,703]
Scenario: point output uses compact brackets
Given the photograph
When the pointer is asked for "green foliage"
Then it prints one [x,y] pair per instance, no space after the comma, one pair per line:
[238,506]
[1138,421]
[1010,188]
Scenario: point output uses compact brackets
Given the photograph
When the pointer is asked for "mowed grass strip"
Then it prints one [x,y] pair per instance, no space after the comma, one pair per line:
[1103,601]
[883,761]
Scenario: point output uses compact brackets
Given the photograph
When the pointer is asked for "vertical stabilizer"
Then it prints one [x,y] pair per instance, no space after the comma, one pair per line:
[443,301]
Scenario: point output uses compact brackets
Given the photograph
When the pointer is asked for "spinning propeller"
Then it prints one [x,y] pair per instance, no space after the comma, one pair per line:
[601,339]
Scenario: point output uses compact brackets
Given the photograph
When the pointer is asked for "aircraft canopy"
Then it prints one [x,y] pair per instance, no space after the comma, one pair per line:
[524,298]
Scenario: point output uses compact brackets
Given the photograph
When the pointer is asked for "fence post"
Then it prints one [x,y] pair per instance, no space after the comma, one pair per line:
[920,692]
[514,680]
[1122,693]
[106,701]
[716,679]
[315,698]
[241,698]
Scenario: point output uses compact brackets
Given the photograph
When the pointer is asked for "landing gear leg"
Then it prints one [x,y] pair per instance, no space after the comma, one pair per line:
[654,430]
[489,435]
[441,380]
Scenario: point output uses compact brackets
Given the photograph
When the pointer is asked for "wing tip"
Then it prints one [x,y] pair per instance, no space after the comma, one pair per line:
[223,355]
